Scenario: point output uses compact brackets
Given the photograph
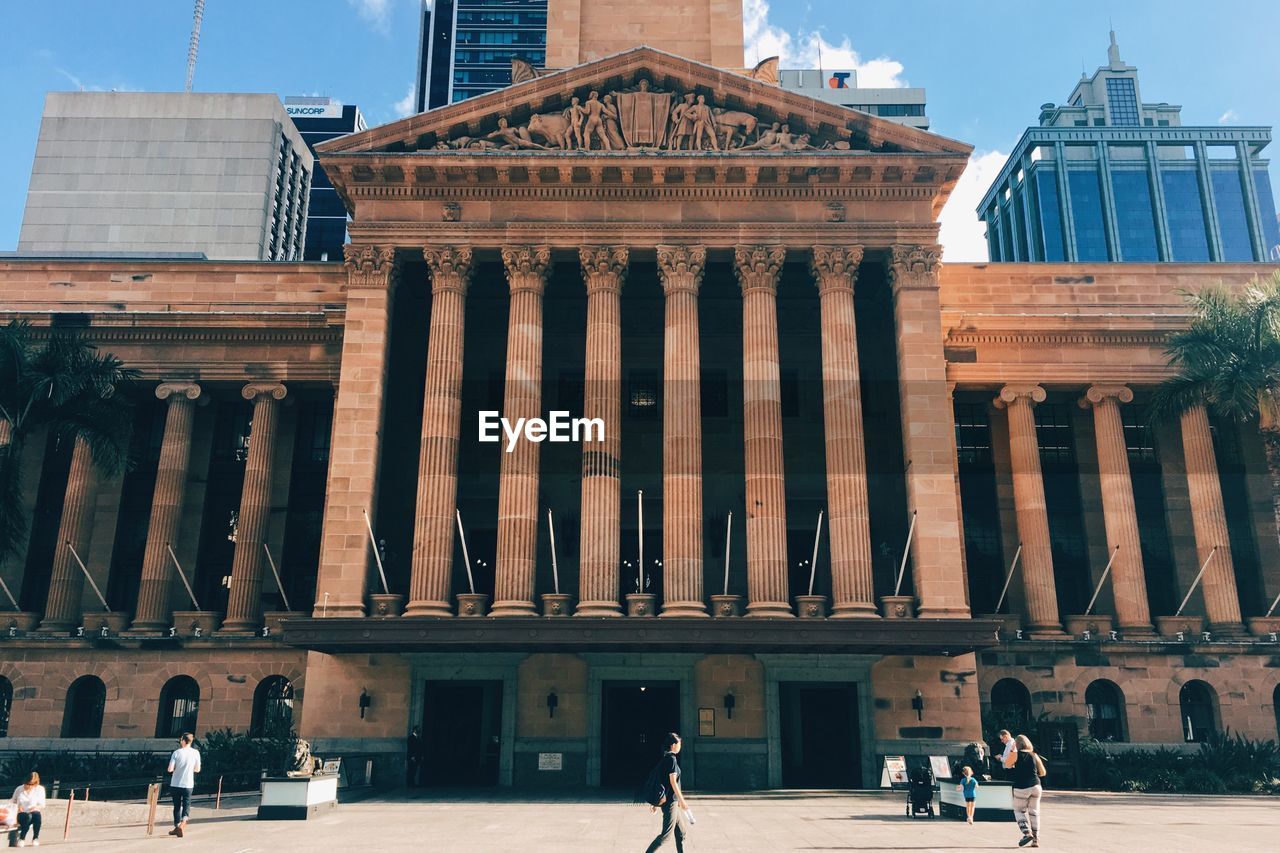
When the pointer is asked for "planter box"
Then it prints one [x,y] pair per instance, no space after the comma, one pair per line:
[898,606]
[1264,626]
[21,621]
[726,606]
[1189,626]
[1095,625]
[298,798]
[642,604]
[556,604]
[386,606]
[811,606]
[196,623]
[115,622]
[1010,623]
[472,604]
[273,620]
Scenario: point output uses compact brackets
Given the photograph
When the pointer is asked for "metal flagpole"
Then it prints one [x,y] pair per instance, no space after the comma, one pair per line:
[1017,555]
[555,568]
[813,563]
[462,537]
[728,529]
[902,570]
[640,521]
[276,572]
[1271,610]
[373,543]
[88,576]
[1101,581]
[182,575]
[9,594]
[1195,583]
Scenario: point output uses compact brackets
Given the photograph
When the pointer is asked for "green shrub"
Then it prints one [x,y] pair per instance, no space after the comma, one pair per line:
[240,760]
[1201,781]
[1244,765]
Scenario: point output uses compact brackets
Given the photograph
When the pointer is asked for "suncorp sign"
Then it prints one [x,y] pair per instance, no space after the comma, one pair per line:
[314,110]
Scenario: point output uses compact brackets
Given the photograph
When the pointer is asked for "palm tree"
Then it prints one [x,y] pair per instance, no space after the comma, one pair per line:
[1229,362]
[67,386]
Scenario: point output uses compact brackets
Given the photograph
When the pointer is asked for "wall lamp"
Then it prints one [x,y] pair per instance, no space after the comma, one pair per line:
[729,703]
[553,701]
[365,701]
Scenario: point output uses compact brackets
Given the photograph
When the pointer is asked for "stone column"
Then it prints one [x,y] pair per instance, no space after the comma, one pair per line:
[599,543]
[1119,513]
[437,501]
[835,270]
[62,610]
[1209,522]
[358,409]
[1029,504]
[527,268]
[927,422]
[153,612]
[244,604]
[758,269]
[681,268]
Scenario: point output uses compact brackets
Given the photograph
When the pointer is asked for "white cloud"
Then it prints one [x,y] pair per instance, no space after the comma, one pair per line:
[809,49]
[376,12]
[1229,117]
[404,106]
[963,234]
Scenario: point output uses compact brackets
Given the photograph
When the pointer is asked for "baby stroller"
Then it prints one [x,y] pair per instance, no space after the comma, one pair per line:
[920,792]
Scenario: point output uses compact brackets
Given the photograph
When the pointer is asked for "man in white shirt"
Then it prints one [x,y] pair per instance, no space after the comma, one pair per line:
[1010,747]
[184,764]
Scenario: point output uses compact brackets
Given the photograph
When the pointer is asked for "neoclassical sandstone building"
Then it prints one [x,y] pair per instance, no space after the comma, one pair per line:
[743,285]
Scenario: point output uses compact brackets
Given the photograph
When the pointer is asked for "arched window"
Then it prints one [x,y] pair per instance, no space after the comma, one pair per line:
[179,704]
[1198,718]
[6,705]
[86,698]
[1011,703]
[1104,705]
[272,707]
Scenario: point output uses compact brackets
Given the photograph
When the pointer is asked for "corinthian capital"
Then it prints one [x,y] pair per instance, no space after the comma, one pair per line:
[1011,394]
[758,266]
[681,268]
[527,267]
[369,266]
[603,267]
[835,267]
[1096,394]
[915,266]
[450,267]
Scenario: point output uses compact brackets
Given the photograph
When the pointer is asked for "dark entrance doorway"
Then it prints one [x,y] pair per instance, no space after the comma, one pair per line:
[461,728]
[819,727]
[635,716]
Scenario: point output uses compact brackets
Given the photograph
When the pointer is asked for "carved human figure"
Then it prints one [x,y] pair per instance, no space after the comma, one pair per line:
[575,114]
[612,129]
[681,126]
[593,124]
[512,137]
[703,122]
[767,141]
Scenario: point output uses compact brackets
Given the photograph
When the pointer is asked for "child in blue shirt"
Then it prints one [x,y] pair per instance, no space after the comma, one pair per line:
[969,785]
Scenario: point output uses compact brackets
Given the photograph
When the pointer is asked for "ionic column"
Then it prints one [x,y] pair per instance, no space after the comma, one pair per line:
[152,612]
[1029,505]
[758,269]
[527,268]
[928,425]
[66,580]
[1209,522]
[437,500]
[603,268]
[681,270]
[1119,513]
[351,491]
[244,604]
[835,270]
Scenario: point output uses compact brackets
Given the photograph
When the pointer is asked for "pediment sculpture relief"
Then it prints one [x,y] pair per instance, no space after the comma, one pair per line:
[641,119]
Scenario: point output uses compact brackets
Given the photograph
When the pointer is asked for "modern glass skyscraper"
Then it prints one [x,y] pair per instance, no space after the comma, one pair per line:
[466,46]
[318,120]
[1106,177]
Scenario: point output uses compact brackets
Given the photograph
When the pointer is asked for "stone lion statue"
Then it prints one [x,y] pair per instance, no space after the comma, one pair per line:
[304,764]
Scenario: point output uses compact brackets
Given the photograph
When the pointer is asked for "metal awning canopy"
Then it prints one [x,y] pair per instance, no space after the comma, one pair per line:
[573,634]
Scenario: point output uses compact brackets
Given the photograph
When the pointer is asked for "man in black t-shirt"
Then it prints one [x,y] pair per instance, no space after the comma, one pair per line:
[416,754]
[672,803]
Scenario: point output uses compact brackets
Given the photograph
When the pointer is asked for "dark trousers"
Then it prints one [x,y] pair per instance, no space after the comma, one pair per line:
[413,773]
[181,804]
[672,824]
[29,819]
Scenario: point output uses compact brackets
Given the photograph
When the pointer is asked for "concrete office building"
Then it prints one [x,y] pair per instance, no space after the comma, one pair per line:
[168,174]
[466,46]
[318,120]
[1107,177]
[904,106]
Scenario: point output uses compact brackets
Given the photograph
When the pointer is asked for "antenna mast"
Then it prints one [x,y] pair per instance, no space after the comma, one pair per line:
[194,47]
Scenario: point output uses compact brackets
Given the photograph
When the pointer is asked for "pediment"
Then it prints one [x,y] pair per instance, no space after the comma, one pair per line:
[641,101]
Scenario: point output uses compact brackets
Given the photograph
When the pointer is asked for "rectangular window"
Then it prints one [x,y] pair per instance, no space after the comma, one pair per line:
[1020,224]
[1134,216]
[1233,225]
[1049,233]
[1122,97]
[1184,210]
[1267,209]
[973,434]
[1086,208]
[1053,432]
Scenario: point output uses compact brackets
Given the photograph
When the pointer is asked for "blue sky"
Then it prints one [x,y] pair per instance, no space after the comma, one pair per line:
[987,65]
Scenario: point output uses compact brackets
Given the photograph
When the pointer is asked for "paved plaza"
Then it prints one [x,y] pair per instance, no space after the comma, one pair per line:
[754,823]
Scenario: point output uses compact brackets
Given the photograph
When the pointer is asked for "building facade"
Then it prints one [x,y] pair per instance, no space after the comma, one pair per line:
[1106,177]
[318,120]
[762,324]
[466,46]
[903,105]
[223,176]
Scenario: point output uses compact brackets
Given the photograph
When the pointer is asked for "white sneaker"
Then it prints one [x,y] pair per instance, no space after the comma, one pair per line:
[35,842]
[22,842]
